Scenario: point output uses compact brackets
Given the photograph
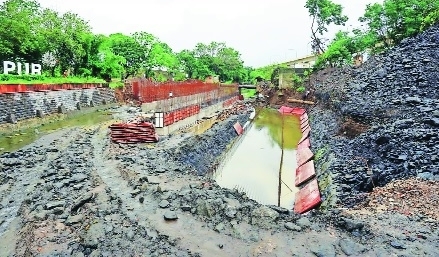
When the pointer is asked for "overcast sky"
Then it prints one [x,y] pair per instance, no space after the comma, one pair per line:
[263,31]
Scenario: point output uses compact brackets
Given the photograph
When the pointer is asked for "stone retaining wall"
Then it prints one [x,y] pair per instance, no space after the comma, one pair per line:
[20,106]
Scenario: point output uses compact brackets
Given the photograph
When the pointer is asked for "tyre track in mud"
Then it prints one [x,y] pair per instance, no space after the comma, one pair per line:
[70,211]
[131,186]
[46,214]
[21,172]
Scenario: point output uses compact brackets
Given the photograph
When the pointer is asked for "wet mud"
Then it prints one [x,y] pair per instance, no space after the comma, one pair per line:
[75,193]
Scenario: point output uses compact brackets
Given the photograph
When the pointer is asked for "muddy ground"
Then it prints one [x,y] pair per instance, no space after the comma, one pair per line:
[74,193]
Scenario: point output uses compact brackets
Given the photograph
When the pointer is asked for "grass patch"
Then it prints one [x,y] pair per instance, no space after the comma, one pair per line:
[248,92]
[38,79]
[116,84]
[322,151]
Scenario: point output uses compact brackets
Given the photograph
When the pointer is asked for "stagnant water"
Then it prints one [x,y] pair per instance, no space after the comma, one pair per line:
[11,141]
[262,162]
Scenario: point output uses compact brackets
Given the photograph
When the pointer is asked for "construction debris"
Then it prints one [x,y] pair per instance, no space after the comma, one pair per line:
[237,108]
[130,133]
[409,197]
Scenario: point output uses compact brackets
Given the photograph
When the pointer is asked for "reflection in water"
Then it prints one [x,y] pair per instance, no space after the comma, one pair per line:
[253,166]
[277,123]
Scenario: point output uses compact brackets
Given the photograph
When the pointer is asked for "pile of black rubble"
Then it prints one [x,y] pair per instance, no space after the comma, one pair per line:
[396,94]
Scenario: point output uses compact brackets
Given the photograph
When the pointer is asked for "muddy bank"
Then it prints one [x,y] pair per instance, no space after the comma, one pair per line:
[54,202]
[74,193]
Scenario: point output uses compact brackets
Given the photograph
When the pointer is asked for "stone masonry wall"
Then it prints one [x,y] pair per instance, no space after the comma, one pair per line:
[26,105]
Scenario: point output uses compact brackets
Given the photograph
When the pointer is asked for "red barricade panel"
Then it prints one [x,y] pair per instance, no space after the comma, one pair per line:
[304,173]
[305,135]
[307,198]
[303,125]
[304,118]
[303,156]
[238,128]
[306,130]
[291,110]
[304,144]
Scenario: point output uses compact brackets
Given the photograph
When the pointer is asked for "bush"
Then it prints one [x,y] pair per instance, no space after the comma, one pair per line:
[117,84]
[300,89]
[12,78]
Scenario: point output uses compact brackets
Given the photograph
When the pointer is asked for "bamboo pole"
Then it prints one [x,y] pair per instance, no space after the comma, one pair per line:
[290,100]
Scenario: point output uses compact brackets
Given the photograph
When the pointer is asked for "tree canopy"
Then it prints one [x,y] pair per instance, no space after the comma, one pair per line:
[64,43]
[383,25]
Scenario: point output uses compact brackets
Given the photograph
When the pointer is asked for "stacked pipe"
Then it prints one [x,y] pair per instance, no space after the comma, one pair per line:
[130,133]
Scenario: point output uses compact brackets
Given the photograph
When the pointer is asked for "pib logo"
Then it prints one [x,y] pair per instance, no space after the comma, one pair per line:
[33,69]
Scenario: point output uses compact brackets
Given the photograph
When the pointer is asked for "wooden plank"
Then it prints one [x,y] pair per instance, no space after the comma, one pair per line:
[291,100]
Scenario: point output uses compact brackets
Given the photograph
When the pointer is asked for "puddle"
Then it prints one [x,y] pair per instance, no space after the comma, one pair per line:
[262,162]
[11,141]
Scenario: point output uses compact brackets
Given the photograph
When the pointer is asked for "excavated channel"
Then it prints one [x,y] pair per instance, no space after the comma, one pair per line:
[262,162]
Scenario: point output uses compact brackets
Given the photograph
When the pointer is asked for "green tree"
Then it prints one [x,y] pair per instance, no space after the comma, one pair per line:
[146,42]
[245,75]
[66,39]
[389,23]
[105,63]
[430,19]
[323,13]
[221,60]
[194,67]
[162,57]
[19,22]
[128,48]
[339,51]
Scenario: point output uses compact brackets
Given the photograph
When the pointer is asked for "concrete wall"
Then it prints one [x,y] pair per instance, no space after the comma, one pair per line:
[25,105]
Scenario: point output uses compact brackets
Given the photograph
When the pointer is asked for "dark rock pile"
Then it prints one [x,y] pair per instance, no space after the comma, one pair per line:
[201,152]
[397,94]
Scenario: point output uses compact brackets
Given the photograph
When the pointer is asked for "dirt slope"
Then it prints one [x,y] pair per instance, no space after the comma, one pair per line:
[394,99]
